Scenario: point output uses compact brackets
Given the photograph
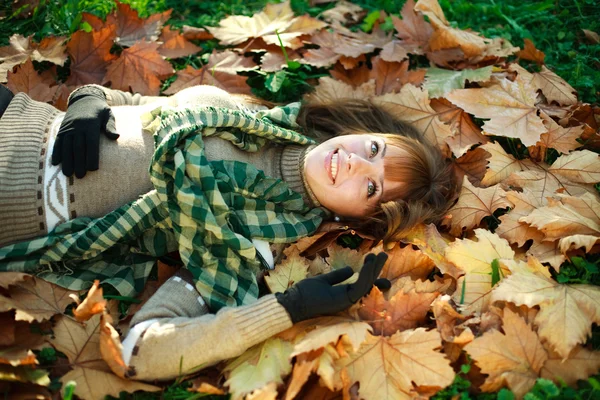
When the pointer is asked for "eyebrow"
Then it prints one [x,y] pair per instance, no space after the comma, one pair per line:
[383,180]
[384,149]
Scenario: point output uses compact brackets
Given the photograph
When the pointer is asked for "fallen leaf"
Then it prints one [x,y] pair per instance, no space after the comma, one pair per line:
[557,137]
[175,45]
[12,278]
[473,292]
[412,29]
[41,87]
[35,300]
[591,36]
[189,77]
[472,165]
[340,257]
[291,271]
[575,242]
[474,204]
[566,311]
[230,62]
[20,48]
[389,77]
[531,53]
[328,330]
[580,365]
[447,319]
[93,304]
[260,365]
[501,164]
[7,329]
[510,227]
[581,166]
[510,107]
[194,33]
[403,311]
[393,52]
[344,13]
[330,90]
[132,29]
[303,367]
[514,358]
[90,55]
[24,374]
[554,87]
[439,82]
[412,105]
[406,261]
[268,392]
[407,357]
[138,69]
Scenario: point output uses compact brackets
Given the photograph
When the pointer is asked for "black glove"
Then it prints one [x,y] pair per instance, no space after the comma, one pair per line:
[316,296]
[77,144]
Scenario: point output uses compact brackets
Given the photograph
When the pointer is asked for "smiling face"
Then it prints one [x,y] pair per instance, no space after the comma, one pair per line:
[347,176]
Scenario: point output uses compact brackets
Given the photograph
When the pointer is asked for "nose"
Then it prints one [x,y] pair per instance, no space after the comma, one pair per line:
[357,164]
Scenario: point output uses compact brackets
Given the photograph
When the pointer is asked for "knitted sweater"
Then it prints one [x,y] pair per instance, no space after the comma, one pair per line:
[247,323]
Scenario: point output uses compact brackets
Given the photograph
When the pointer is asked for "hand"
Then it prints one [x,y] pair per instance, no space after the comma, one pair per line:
[316,296]
[77,144]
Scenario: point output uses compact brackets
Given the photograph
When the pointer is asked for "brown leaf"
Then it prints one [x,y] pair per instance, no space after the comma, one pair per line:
[391,76]
[510,107]
[408,358]
[393,52]
[557,137]
[510,227]
[35,300]
[90,55]
[580,364]
[138,69]
[95,22]
[591,36]
[20,48]
[7,329]
[579,166]
[230,62]
[175,45]
[354,77]
[554,87]
[412,29]
[93,304]
[351,62]
[530,53]
[446,320]
[194,33]
[132,29]
[291,271]
[403,311]
[344,13]
[466,133]
[514,358]
[501,164]
[474,204]
[41,87]
[473,165]
[412,105]
[406,261]
[12,278]
[330,89]
[191,77]
[300,374]
[317,333]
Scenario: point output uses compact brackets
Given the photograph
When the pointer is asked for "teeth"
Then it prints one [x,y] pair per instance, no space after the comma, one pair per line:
[334,164]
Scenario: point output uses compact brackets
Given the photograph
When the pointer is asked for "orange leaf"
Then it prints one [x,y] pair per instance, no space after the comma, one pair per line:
[391,76]
[175,45]
[90,55]
[531,53]
[406,261]
[138,69]
[132,29]
[204,76]
[40,87]
[473,165]
[412,29]
[93,304]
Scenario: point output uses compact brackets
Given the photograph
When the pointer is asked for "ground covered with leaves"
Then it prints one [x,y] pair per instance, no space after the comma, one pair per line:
[499,301]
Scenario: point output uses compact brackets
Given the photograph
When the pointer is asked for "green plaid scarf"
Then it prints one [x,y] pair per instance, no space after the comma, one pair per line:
[208,211]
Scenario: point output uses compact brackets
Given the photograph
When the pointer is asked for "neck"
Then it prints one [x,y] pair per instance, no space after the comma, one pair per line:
[292,171]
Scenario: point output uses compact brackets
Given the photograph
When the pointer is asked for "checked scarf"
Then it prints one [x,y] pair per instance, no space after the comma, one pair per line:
[207,211]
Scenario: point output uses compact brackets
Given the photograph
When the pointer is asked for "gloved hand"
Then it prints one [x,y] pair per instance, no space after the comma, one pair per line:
[77,144]
[316,296]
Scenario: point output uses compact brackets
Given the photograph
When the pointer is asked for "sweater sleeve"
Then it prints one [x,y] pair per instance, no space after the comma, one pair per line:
[180,335]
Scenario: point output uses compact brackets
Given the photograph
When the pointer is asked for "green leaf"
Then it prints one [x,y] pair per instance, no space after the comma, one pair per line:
[505,394]
[496,271]
[293,65]
[369,21]
[440,82]
[275,81]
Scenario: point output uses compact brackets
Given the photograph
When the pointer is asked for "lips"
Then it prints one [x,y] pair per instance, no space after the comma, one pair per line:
[332,164]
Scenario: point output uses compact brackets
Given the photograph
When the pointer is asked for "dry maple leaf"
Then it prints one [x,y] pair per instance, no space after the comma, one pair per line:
[581,166]
[41,87]
[286,274]
[393,51]
[574,242]
[139,69]
[510,227]
[412,29]
[132,29]
[340,257]
[21,48]
[440,82]
[391,76]
[474,204]
[344,13]
[501,164]
[566,311]
[93,304]
[35,300]
[230,62]
[570,216]
[204,76]
[401,312]
[514,358]
[554,87]
[581,364]
[90,55]
[274,18]
[412,105]
[175,45]
[406,261]
[80,343]
[258,366]
[446,37]
[510,106]
[474,289]
[12,278]
[472,165]
[408,359]
[330,89]
[446,319]
[531,53]
[557,137]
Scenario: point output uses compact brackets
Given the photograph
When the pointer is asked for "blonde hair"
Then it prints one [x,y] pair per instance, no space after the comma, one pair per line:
[429,185]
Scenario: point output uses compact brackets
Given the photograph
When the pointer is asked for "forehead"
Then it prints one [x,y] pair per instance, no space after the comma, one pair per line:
[396,166]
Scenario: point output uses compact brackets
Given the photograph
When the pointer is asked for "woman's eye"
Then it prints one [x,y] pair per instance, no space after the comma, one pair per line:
[371,189]
[374,149]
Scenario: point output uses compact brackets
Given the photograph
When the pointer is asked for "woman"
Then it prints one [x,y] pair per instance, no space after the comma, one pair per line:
[209,200]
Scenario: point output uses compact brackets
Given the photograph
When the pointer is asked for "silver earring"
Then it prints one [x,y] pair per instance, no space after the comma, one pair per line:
[337,218]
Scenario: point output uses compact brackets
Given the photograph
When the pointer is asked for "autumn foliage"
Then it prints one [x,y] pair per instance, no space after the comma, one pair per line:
[480,286]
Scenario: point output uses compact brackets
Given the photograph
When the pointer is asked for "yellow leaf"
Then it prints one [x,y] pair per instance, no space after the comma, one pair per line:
[474,204]
[260,365]
[580,364]
[340,257]
[510,228]
[500,164]
[328,330]
[510,107]
[93,304]
[406,357]
[566,311]
[290,271]
[330,89]
[574,242]
[514,358]
[406,261]
[581,166]
[446,319]
[475,259]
